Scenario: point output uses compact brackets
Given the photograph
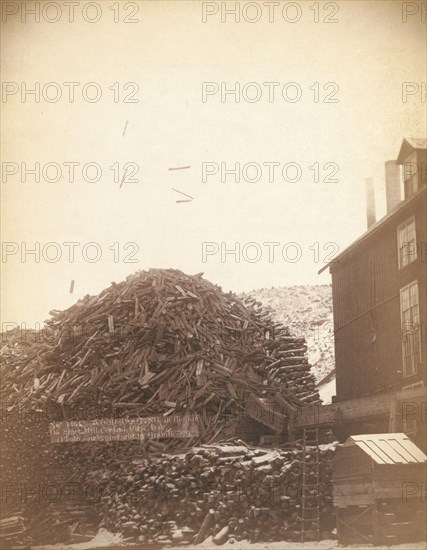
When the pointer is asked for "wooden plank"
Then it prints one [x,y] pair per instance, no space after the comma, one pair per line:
[357,409]
[316,415]
[348,489]
[342,501]
[402,472]
[393,490]
[264,412]
[350,463]
[394,416]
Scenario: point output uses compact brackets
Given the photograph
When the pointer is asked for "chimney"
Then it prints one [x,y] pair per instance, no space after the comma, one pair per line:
[392,184]
[370,201]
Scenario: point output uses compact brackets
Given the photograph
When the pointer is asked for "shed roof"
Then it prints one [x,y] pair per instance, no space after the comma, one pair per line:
[389,448]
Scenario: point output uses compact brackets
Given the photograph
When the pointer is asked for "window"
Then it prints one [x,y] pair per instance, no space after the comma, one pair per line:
[407,242]
[409,312]
[410,175]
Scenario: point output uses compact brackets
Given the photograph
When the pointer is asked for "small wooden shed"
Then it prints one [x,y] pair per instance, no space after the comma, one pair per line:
[380,490]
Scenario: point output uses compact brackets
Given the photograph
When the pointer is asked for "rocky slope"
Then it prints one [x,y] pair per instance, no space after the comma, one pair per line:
[307,311]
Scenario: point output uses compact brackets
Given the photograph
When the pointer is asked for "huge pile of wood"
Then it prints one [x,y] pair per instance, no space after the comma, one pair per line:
[160,342]
[163,342]
[227,491]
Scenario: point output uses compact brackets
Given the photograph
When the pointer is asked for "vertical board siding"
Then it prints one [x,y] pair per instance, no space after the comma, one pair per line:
[366,283]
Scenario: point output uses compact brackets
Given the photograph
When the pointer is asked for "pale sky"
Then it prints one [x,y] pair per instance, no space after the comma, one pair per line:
[169,53]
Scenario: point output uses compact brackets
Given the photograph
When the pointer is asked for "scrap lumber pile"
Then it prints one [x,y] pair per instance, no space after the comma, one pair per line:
[227,491]
[164,342]
[56,523]
[13,533]
[69,523]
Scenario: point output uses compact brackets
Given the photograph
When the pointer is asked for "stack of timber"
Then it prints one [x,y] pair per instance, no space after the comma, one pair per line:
[226,491]
[291,370]
[160,342]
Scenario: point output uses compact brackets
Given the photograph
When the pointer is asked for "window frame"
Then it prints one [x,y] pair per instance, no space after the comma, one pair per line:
[412,335]
[410,183]
[401,245]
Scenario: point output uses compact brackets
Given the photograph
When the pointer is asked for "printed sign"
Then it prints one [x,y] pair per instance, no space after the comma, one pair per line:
[123,429]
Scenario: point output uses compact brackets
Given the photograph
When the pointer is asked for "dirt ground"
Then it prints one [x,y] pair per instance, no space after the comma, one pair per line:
[106,541]
[323,545]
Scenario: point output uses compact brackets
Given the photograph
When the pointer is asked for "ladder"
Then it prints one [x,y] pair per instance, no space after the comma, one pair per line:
[310,491]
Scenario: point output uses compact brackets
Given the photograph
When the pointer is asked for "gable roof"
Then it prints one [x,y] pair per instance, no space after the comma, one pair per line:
[408,145]
[374,228]
[389,448]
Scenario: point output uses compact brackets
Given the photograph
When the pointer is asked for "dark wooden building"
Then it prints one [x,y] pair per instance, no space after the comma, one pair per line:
[379,288]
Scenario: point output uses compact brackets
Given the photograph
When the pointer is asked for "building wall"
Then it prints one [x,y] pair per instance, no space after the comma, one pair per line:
[366,283]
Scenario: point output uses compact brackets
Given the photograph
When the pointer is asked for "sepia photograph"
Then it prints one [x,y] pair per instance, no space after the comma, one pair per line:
[213,275]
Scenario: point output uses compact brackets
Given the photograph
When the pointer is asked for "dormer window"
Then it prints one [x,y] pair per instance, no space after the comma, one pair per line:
[413,158]
[410,174]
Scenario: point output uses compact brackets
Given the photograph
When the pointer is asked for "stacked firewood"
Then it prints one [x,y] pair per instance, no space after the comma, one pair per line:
[291,370]
[227,491]
[163,341]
